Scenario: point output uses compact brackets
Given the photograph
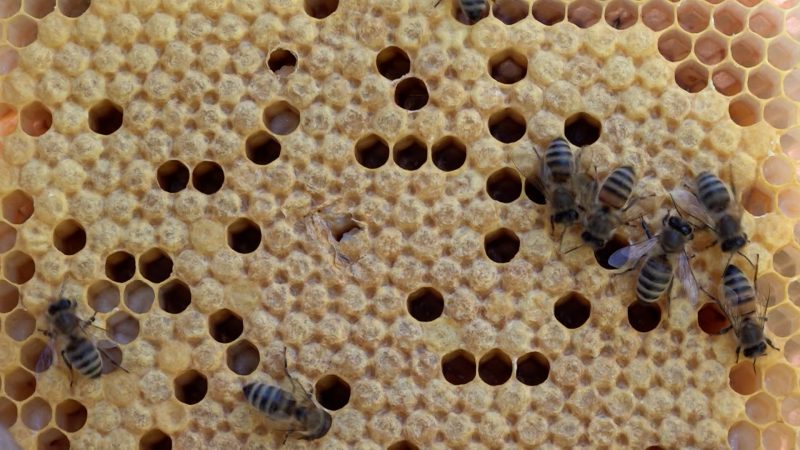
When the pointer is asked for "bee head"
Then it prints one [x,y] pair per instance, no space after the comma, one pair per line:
[61,304]
[756,350]
[733,244]
[680,225]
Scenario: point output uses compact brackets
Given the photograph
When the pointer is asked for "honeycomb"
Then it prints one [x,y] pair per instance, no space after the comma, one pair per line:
[213,179]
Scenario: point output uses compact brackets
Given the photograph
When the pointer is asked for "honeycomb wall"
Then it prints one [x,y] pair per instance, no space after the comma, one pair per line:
[218,180]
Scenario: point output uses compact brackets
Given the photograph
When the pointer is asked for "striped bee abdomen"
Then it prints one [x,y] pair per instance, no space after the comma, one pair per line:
[712,192]
[739,293]
[558,159]
[273,401]
[654,278]
[617,187]
[84,357]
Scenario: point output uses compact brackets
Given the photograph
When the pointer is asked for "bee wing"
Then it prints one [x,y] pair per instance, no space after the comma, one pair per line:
[46,357]
[688,202]
[626,257]
[586,187]
[686,276]
[730,311]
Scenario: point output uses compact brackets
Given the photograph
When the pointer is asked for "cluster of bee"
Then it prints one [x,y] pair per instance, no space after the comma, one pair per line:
[601,207]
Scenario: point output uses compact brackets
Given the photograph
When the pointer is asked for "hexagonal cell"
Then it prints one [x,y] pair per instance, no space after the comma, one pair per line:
[533,192]
[711,318]
[8,113]
[789,202]
[191,387]
[621,14]
[208,177]
[794,290]
[409,153]
[320,9]
[174,297]
[73,8]
[508,66]
[31,355]
[501,245]
[658,14]
[155,265]
[761,408]
[18,267]
[111,355]
[8,237]
[425,304]
[711,48]
[242,357]
[533,369]
[458,367]
[70,415]
[691,76]
[9,296]
[791,87]
[22,31]
[372,151]
[780,380]
[791,351]
[120,266]
[495,367]
[504,185]
[225,326]
[19,384]
[9,59]
[507,125]
[582,129]
[790,142]
[69,237]
[743,435]
[748,49]
[262,148]
[742,378]
[790,410]
[584,13]
[745,110]
[780,113]
[105,117]
[449,153]
[572,310]
[779,436]
[52,439]
[548,12]
[122,327]
[729,18]
[282,61]
[155,440]
[793,24]
[332,392]
[728,79]
[766,20]
[244,236]
[643,316]
[8,412]
[782,320]
[786,261]
[411,94]
[103,296]
[40,8]
[9,7]
[764,82]
[693,16]
[393,63]
[35,119]
[281,118]
[20,324]
[510,11]
[674,45]
[36,413]
[172,176]
[402,445]
[139,296]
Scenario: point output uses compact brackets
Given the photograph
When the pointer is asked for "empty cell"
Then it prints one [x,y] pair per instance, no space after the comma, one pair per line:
[18,267]
[793,24]
[174,297]
[31,352]
[582,129]
[69,237]
[8,237]
[748,50]
[728,79]
[8,412]
[508,66]
[533,369]
[674,45]
[789,202]
[602,254]
[780,113]
[572,310]
[191,387]
[21,31]
[52,439]
[643,316]
[501,245]
[743,436]
[282,61]
[459,367]
[139,296]
[691,76]
[745,110]
[548,12]
[122,327]
[766,21]
[9,7]
[791,87]
[20,324]
[8,113]
[495,367]
[19,384]
[790,410]
[584,13]
[244,236]
[658,14]
[320,9]
[729,18]
[790,142]
[449,154]
[155,440]
[120,266]
[372,151]
[36,413]
[507,125]
[791,351]
[783,320]
[742,378]
[711,48]
[533,192]
[761,408]
[694,15]
[105,117]
[410,153]
[111,355]
[411,94]
[621,14]
[208,177]
[510,11]
[504,185]
[763,82]
[225,326]
[402,445]
[242,357]
[9,296]
[9,59]
[786,261]
[70,415]
[794,289]
[262,148]
[172,176]
[40,8]
[425,304]
[281,118]
[711,319]
[332,392]
[393,63]
[155,265]
[785,4]
[780,380]
[35,119]
[779,436]
[757,202]
[103,296]
[73,8]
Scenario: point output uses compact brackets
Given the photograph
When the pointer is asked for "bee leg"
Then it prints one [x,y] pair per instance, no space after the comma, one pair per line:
[294,383]
[769,342]
[738,349]
[645,228]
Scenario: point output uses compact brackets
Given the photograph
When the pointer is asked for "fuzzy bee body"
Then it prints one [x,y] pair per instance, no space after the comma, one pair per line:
[607,206]
[279,405]
[654,278]
[556,176]
[617,188]
[473,9]
[712,192]
[82,355]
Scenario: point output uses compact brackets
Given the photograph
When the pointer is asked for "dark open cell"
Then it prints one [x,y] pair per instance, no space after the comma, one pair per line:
[262,148]
[332,392]
[495,368]
[533,192]
[139,296]
[393,63]
[174,297]
[582,129]
[70,415]
[18,267]
[172,176]
[281,118]
[602,254]
[155,440]
[508,66]
[282,61]
[242,357]
[111,355]
[9,296]
[458,367]
[244,236]
[411,94]
[8,412]
[20,324]
[372,151]
[510,11]
[425,304]
[584,13]
[711,319]
[105,117]
[501,245]
[507,126]
[8,237]
[103,296]
[572,310]
[643,316]
[191,387]
[73,8]
[320,9]
[410,153]
[120,266]
[35,119]
[548,12]
[30,353]
[19,384]
[208,177]
[533,369]
[39,8]
[402,445]
[225,326]
[69,237]
[155,265]
[448,154]
[52,439]
[17,207]
[122,327]
[621,14]
[504,185]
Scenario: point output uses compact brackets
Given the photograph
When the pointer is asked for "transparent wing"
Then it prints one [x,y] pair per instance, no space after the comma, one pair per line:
[46,357]
[626,257]
[687,278]
[730,310]
[586,188]
[688,203]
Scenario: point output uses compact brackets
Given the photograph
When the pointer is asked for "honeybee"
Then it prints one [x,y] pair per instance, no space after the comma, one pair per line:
[474,10]
[663,253]
[295,409]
